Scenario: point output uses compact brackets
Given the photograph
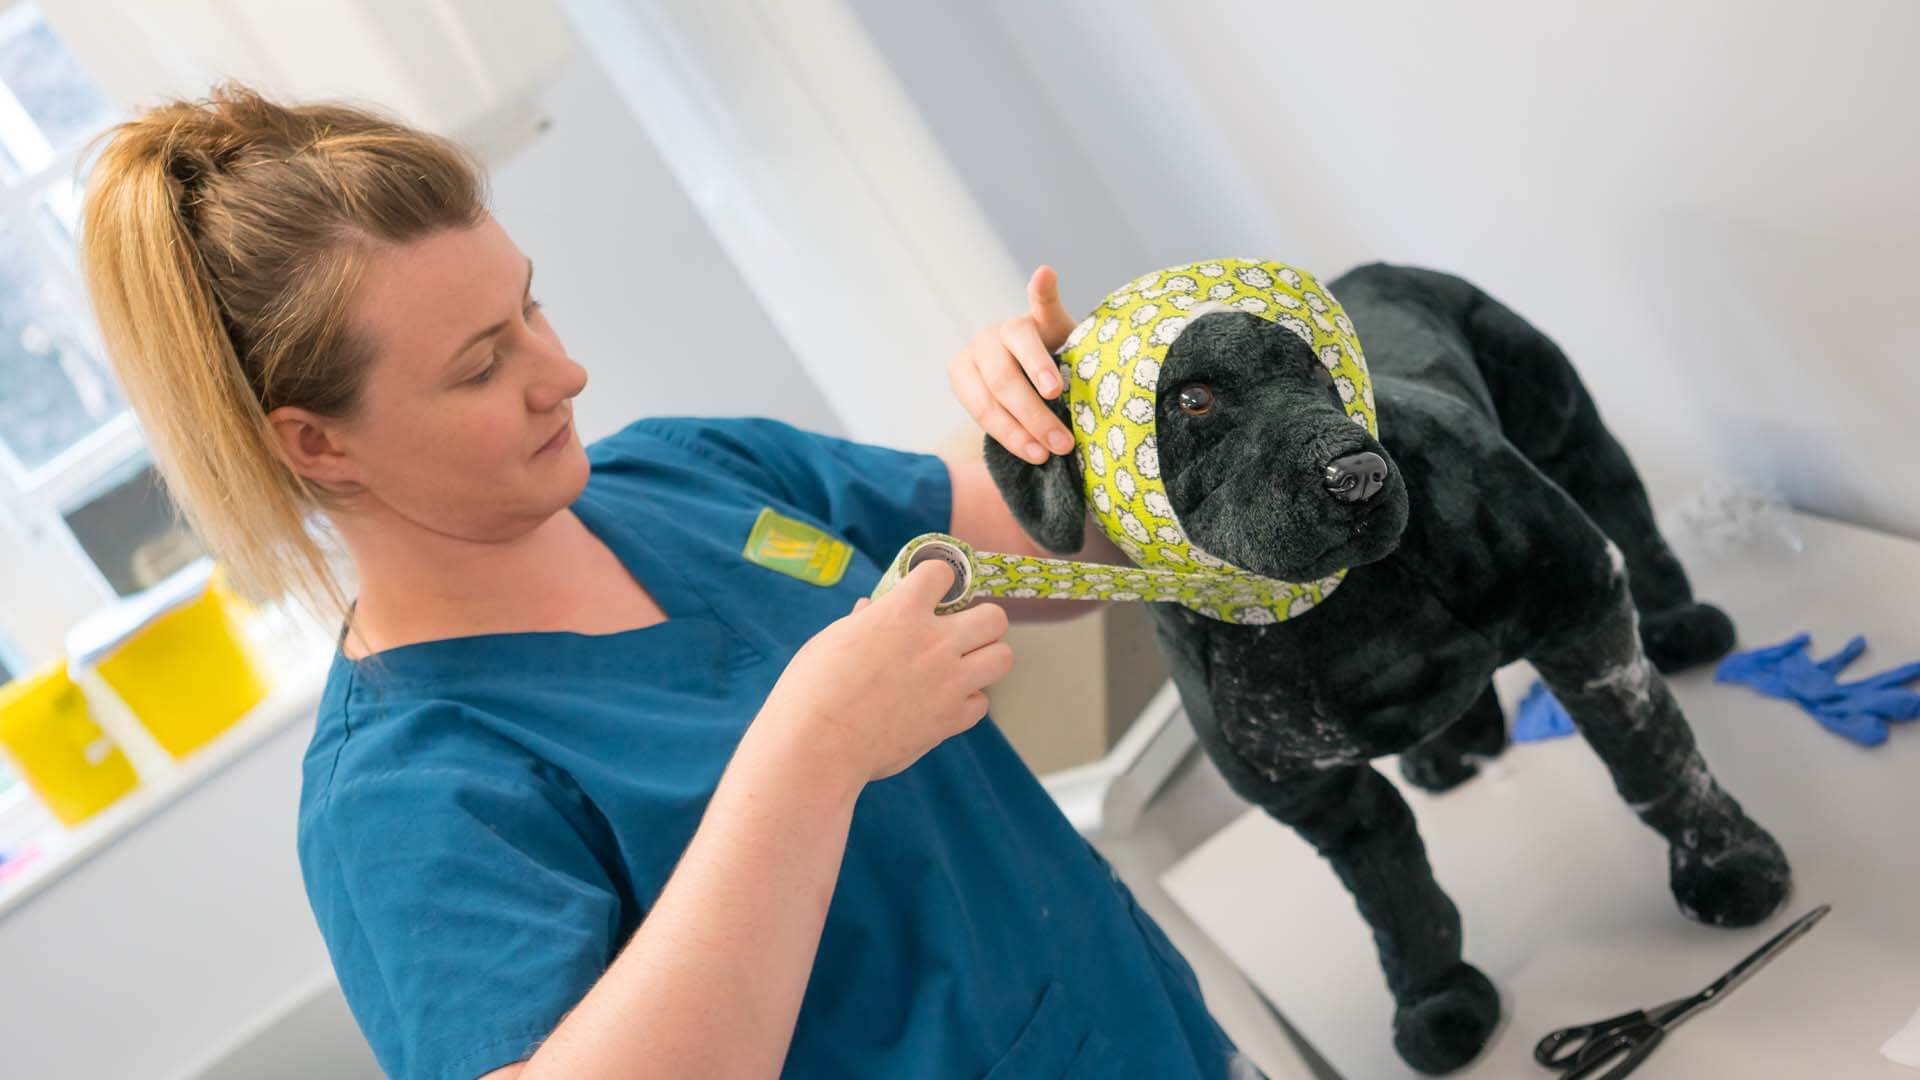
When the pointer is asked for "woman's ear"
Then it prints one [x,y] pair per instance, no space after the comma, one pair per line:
[310,445]
[1047,500]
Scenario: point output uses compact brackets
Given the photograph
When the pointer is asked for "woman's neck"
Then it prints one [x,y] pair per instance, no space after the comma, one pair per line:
[420,585]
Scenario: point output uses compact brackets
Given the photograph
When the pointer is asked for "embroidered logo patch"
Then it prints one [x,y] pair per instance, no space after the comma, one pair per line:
[797,549]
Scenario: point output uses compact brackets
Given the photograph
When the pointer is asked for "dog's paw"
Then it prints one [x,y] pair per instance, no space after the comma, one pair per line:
[1735,882]
[1447,1023]
[1687,636]
[1451,756]
[1432,766]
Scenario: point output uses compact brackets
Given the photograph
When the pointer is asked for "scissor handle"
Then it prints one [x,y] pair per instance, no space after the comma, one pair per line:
[1622,1042]
[1559,1049]
[1624,1050]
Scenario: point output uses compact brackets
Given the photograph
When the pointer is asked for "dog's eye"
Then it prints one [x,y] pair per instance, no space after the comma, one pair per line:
[1196,399]
[1320,374]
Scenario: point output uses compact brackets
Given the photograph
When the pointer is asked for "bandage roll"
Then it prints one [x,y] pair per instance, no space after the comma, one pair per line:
[934,547]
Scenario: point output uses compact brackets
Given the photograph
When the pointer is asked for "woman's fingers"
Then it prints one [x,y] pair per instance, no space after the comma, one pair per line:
[1045,308]
[1003,376]
[985,409]
[972,710]
[974,396]
[1021,339]
[1011,379]
[1007,431]
[983,667]
[978,626]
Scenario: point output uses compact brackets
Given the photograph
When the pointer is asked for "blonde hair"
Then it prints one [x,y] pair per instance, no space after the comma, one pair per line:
[223,240]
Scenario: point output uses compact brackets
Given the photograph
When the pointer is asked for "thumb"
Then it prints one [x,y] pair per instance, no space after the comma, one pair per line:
[1044,307]
[925,584]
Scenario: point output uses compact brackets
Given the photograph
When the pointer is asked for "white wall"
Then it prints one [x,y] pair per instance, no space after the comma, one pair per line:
[1709,205]
[632,278]
[820,180]
[175,941]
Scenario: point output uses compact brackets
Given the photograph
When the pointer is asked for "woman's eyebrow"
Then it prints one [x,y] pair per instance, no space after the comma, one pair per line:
[486,332]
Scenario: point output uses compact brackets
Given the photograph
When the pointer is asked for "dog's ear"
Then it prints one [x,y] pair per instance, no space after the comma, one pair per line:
[1047,500]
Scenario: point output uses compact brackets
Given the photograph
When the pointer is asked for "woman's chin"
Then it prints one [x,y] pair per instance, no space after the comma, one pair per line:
[561,473]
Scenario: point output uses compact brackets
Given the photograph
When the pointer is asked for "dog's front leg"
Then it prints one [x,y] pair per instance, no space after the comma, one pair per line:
[1445,1008]
[1724,869]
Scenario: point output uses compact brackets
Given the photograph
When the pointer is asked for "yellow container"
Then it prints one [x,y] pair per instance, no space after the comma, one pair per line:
[59,751]
[186,674]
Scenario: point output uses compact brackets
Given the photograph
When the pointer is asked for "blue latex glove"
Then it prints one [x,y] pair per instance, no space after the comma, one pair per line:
[1540,716]
[1859,711]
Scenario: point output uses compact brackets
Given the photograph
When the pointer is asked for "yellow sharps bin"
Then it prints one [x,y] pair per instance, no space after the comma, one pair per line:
[61,754]
[177,658]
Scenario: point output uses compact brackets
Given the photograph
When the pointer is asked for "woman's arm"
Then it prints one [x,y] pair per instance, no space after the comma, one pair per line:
[711,983]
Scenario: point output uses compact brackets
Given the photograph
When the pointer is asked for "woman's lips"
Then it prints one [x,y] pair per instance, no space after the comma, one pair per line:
[559,439]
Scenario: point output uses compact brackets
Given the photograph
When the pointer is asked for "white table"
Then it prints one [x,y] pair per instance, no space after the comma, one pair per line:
[1564,894]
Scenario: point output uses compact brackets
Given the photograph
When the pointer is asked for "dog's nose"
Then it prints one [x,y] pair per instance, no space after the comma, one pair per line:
[1356,477]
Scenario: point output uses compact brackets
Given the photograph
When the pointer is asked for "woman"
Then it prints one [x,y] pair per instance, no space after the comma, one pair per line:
[606,780]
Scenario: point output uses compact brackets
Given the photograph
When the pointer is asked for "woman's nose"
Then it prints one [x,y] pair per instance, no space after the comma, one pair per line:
[559,379]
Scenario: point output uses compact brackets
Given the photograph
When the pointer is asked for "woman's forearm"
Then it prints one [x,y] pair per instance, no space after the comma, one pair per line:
[711,983]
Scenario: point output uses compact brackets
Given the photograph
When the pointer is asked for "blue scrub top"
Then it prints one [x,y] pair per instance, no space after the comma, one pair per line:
[486,821]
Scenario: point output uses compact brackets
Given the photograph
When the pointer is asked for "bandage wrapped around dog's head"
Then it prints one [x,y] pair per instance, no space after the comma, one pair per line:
[1111,367]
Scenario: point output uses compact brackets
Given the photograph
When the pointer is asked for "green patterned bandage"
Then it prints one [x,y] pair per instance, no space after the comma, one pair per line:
[987,573]
[1110,366]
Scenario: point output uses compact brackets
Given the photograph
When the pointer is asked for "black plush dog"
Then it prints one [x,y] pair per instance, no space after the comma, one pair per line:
[1494,519]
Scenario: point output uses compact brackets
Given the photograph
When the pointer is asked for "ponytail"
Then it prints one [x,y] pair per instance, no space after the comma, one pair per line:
[222,241]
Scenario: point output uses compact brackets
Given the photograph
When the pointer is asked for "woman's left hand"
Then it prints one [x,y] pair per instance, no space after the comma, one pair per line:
[1003,374]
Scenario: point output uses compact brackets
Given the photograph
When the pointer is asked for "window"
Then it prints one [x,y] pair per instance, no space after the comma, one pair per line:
[131,533]
[54,391]
[81,518]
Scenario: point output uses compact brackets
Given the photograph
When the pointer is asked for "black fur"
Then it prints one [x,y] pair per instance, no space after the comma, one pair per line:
[1512,526]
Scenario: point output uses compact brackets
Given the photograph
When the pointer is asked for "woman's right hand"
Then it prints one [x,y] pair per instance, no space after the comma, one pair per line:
[888,682]
[737,928]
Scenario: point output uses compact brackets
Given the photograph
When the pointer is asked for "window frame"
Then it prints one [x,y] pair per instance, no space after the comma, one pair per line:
[53,583]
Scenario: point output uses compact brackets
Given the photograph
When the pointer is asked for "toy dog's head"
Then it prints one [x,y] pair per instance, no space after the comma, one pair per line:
[1224,421]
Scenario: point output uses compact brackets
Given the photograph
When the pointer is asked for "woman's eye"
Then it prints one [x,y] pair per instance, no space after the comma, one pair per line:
[532,306]
[1196,399]
[484,373]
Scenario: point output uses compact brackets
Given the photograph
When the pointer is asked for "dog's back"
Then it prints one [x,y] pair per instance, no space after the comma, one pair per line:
[1413,325]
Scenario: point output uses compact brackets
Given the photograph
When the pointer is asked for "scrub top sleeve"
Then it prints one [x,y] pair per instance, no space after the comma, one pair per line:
[875,498]
[471,914]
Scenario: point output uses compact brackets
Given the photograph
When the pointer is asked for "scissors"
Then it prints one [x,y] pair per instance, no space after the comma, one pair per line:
[1581,1050]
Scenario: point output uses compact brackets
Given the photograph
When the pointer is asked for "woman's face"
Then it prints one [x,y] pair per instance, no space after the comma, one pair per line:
[464,425]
